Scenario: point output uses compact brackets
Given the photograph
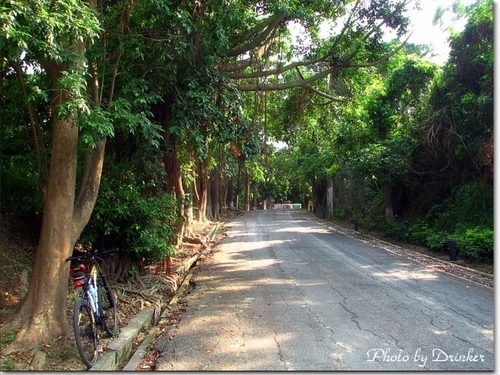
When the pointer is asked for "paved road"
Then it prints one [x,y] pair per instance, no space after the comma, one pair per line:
[285,293]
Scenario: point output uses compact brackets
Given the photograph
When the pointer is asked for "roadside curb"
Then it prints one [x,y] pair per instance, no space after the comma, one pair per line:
[120,349]
[142,350]
[120,355]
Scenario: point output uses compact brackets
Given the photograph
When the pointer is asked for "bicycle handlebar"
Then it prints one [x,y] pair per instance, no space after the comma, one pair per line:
[93,254]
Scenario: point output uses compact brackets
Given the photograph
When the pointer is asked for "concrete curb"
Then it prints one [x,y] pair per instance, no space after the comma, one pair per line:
[119,354]
[143,349]
[119,350]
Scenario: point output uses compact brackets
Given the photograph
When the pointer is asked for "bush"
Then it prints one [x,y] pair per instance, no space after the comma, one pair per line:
[422,234]
[142,223]
[419,231]
[436,240]
[476,244]
[339,213]
[399,231]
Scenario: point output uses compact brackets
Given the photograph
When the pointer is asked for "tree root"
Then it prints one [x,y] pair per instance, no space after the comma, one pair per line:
[147,291]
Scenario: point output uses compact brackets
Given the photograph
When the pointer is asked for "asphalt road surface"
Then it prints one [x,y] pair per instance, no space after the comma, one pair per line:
[285,293]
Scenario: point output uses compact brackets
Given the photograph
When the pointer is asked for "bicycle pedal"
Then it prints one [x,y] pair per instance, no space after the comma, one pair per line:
[100,349]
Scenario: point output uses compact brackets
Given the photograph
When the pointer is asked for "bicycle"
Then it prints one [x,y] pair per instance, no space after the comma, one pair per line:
[96,306]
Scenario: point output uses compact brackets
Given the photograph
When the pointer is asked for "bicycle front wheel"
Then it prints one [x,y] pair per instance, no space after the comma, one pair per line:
[86,336]
[109,310]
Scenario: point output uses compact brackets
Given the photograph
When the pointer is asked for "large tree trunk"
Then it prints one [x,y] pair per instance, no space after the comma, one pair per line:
[389,211]
[215,194]
[42,315]
[230,193]
[247,191]
[189,214]
[174,181]
[172,164]
[314,193]
[330,197]
[202,191]
[87,195]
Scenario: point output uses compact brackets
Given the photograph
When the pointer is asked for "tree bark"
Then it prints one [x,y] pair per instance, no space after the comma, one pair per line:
[389,210]
[174,180]
[215,194]
[247,191]
[42,315]
[203,191]
[87,195]
[230,193]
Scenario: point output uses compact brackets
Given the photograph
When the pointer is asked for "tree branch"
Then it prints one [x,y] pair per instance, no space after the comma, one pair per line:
[272,23]
[284,85]
[43,170]
[320,93]
[275,71]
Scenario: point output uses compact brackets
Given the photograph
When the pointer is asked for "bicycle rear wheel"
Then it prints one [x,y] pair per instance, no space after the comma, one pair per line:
[86,336]
[108,308]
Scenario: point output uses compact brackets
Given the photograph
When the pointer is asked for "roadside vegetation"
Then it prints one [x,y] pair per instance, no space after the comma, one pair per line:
[126,124]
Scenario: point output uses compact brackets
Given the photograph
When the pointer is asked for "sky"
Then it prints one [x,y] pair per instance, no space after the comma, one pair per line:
[437,36]
[424,31]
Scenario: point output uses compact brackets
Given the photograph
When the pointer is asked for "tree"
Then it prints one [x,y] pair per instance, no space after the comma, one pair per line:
[392,115]
[60,48]
[243,46]
[110,65]
[458,133]
[84,113]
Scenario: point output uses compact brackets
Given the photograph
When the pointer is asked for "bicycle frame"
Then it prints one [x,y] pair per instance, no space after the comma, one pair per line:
[88,282]
[96,301]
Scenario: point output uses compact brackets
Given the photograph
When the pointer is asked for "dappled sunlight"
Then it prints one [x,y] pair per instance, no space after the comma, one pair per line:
[304,230]
[254,245]
[261,342]
[250,265]
[241,233]
[440,332]
[400,274]
[243,340]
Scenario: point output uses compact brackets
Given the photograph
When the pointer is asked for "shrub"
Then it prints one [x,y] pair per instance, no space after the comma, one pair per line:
[399,230]
[436,240]
[419,231]
[476,244]
[422,234]
[339,213]
[142,223]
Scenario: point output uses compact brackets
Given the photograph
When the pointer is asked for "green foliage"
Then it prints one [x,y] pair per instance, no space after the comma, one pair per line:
[339,213]
[129,215]
[447,221]
[437,240]
[18,185]
[476,244]
[461,105]
[6,337]
[133,271]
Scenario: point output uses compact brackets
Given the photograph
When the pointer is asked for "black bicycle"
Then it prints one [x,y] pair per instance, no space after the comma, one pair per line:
[96,308]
